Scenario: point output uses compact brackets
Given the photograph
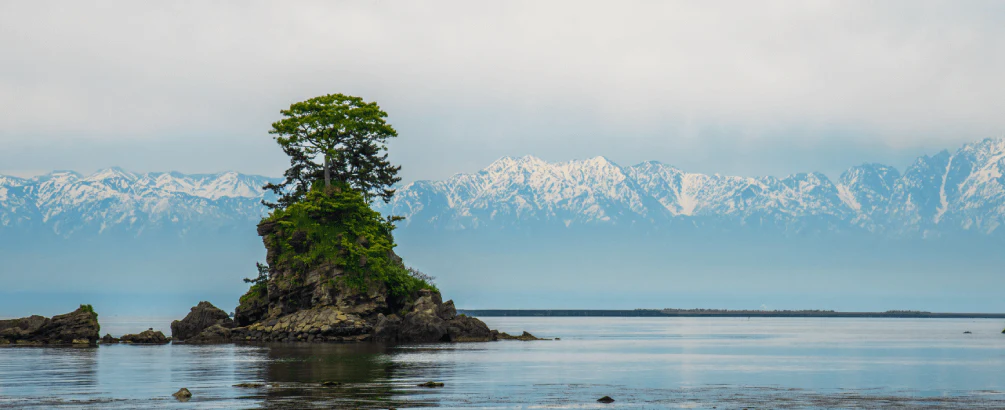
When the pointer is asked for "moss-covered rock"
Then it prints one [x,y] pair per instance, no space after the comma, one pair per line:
[333,276]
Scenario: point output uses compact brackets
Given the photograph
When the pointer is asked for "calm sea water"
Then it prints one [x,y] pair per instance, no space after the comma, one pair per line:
[640,362]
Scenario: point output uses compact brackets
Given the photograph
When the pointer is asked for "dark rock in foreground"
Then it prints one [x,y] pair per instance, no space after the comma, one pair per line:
[79,327]
[147,337]
[204,324]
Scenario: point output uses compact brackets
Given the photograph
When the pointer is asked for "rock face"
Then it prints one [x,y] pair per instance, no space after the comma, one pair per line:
[431,320]
[149,337]
[212,334]
[79,327]
[204,324]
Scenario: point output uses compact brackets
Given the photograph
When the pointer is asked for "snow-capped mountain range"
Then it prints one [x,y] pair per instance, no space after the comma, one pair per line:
[114,200]
[944,194]
[937,195]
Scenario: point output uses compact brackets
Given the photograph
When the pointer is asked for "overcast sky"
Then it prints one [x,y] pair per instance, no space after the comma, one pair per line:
[746,87]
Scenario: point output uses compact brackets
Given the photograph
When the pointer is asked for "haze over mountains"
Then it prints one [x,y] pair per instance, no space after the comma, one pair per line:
[646,235]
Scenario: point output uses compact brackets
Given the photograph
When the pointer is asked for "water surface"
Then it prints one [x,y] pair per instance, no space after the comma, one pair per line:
[641,362]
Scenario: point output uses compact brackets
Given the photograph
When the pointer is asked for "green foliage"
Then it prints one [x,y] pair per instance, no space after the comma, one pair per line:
[263,275]
[335,225]
[350,137]
[259,285]
[301,174]
[90,309]
[258,290]
[415,273]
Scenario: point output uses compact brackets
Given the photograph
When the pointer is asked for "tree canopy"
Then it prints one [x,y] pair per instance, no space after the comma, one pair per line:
[348,135]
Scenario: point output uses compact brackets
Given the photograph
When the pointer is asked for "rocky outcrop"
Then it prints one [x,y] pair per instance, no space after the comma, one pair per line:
[79,327]
[333,277]
[147,337]
[205,323]
[107,339]
[431,320]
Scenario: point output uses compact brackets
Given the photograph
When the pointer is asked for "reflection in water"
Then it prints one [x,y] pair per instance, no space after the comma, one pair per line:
[342,375]
[77,374]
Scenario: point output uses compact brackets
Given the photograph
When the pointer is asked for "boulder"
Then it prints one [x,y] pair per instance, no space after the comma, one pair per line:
[107,339]
[387,328]
[182,394]
[202,317]
[79,327]
[149,337]
[605,399]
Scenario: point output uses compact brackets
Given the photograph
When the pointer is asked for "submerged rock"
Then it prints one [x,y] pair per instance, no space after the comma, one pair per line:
[79,327]
[205,323]
[431,384]
[149,337]
[605,399]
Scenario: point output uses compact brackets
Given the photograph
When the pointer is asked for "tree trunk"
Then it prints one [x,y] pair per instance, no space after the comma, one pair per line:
[328,178]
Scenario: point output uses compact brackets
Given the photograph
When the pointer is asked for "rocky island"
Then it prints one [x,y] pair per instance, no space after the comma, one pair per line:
[332,276]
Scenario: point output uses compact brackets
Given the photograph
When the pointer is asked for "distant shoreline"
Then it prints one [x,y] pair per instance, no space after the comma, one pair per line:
[720,313]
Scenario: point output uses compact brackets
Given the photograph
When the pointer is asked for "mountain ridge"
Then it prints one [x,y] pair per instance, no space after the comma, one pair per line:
[945,194]
[871,197]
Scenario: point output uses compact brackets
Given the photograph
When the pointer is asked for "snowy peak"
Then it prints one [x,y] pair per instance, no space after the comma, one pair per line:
[112,199]
[936,195]
[946,194]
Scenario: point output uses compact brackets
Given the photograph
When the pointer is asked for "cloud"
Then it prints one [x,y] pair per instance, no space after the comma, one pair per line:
[465,82]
